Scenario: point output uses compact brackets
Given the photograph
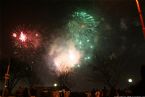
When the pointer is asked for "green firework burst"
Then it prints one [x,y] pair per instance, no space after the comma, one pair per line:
[82,28]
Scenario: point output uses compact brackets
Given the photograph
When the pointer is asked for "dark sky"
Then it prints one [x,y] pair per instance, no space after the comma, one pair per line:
[53,14]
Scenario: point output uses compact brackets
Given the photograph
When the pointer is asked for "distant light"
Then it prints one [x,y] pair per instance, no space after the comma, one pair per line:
[55,85]
[130,80]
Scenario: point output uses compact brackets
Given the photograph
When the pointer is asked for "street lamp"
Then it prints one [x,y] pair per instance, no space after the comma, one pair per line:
[55,84]
[130,80]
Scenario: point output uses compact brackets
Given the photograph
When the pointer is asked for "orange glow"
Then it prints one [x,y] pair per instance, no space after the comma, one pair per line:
[141,17]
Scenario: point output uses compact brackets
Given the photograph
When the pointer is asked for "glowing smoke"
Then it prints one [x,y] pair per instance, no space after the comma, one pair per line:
[65,57]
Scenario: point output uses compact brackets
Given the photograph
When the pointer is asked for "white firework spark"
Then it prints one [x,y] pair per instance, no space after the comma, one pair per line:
[65,57]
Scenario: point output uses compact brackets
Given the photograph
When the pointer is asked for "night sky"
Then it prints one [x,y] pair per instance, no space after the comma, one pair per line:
[120,34]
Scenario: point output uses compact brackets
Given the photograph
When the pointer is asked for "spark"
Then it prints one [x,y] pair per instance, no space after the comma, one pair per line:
[78,65]
[130,80]
[82,28]
[71,55]
[23,37]
[26,38]
[91,46]
[36,35]
[14,35]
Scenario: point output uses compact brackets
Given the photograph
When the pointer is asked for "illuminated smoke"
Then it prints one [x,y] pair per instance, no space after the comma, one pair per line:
[65,57]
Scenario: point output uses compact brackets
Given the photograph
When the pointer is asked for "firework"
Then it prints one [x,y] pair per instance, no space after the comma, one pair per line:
[65,57]
[14,35]
[82,29]
[25,38]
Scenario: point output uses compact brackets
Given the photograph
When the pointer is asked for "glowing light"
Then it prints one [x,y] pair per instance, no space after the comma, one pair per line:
[78,66]
[87,58]
[22,37]
[141,17]
[36,35]
[82,28]
[55,84]
[130,80]
[66,58]
[26,38]
[71,55]
[91,46]
[88,40]
[14,35]
[74,56]
[80,42]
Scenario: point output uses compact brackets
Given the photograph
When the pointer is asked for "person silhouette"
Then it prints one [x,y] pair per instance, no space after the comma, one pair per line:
[139,88]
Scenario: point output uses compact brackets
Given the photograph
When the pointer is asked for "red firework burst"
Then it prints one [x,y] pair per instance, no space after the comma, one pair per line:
[26,39]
